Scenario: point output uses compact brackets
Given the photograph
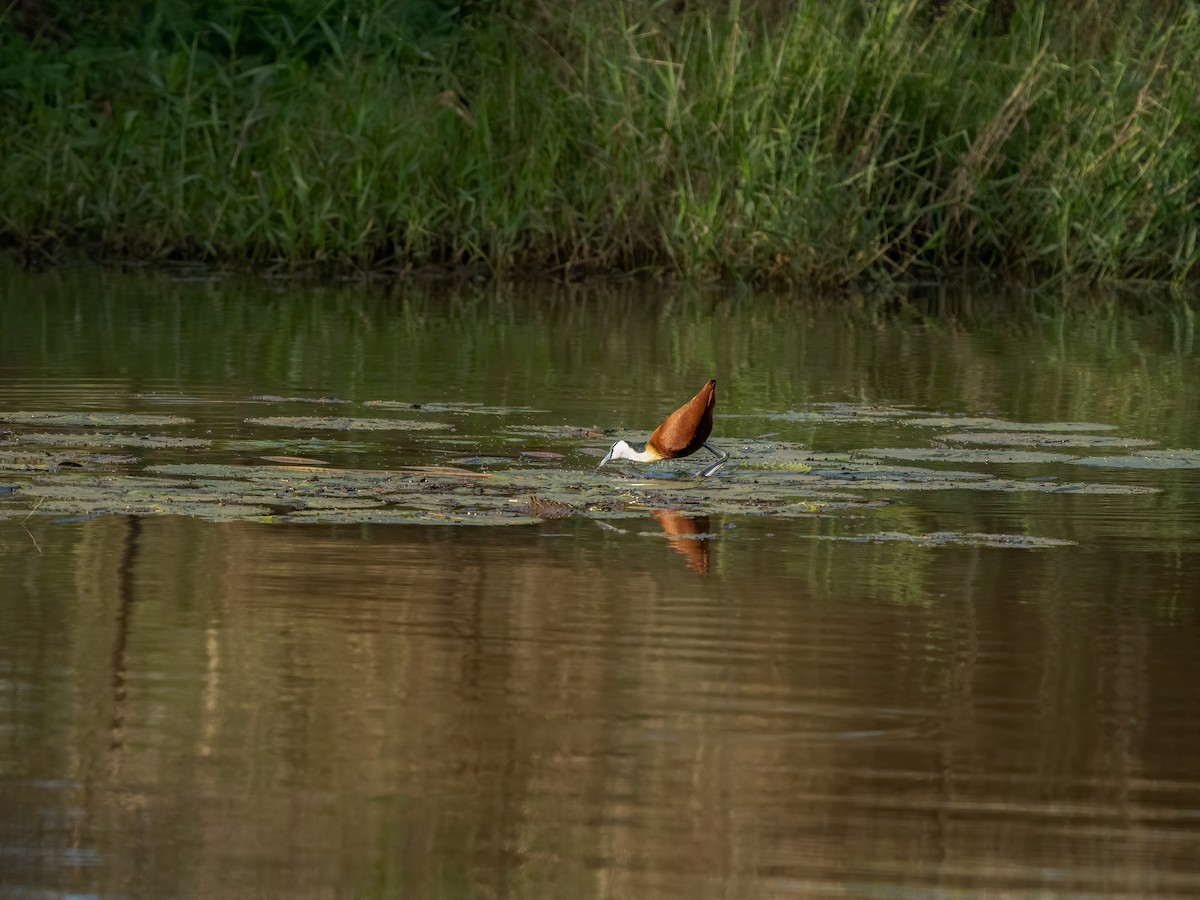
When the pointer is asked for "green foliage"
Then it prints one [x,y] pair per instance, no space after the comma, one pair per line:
[826,143]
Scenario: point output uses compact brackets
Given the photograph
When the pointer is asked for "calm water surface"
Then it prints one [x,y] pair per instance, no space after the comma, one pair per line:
[718,706]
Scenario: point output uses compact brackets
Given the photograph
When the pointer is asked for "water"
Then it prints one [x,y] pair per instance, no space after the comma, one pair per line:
[722,705]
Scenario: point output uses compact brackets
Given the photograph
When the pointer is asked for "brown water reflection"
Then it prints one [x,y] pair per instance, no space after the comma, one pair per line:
[233,710]
[684,534]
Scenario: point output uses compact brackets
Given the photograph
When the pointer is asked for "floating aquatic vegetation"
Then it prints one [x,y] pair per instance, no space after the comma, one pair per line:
[284,475]
[1145,459]
[447,470]
[868,410]
[282,479]
[1040,439]
[35,460]
[91,419]
[1003,485]
[346,423]
[954,539]
[297,446]
[343,503]
[272,398]
[548,509]
[832,414]
[462,409]
[479,460]
[178,399]
[1192,456]
[780,456]
[956,455]
[403,517]
[990,424]
[856,469]
[109,439]
[558,431]
[133,495]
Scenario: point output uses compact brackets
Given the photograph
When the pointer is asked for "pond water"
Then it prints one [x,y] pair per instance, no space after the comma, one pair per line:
[317,592]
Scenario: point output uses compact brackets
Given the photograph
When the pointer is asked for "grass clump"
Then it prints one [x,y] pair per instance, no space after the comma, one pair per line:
[817,142]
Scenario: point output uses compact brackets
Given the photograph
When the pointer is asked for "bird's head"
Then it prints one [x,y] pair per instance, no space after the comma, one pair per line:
[626,450]
[616,451]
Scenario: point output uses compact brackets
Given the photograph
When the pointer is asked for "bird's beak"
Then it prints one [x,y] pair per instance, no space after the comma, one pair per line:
[607,457]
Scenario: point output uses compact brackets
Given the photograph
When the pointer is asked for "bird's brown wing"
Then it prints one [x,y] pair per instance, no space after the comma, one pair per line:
[685,430]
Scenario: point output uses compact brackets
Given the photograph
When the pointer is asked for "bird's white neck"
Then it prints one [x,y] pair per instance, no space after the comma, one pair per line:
[636,452]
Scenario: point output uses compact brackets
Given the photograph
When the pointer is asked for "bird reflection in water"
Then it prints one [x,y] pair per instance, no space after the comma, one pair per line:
[684,535]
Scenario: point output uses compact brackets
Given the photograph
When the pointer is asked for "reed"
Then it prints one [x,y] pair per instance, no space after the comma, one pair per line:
[826,143]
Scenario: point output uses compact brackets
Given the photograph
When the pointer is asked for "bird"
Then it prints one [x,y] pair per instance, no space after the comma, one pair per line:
[681,434]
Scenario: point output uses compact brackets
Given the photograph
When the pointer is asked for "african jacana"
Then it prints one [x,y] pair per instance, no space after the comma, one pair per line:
[682,433]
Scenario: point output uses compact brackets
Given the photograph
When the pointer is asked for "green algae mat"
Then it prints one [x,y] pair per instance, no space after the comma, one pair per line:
[277,469]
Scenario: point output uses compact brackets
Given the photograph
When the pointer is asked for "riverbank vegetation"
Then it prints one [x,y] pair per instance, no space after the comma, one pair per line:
[815,142]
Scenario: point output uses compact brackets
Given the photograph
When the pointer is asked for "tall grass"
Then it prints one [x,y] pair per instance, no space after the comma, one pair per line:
[824,143]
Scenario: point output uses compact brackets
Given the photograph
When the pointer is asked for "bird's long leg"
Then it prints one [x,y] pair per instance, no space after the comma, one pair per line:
[709,470]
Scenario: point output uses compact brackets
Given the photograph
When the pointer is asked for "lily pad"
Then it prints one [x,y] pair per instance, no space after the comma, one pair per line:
[20,513]
[859,470]
[406,517]
[470,409]
[33,460]
[106,439]
[345,503]
[1145,459]
[955,538]
[987,457]
[299,446]
[1005,485]
[833,414]
[126,495]
[1184,455]
[777,456]
[1040,439]
[990,424]
[200,510]
[356,517]
[346,423]
[870,410]
[91,419]
[281,474]
[561,431]
[272,398]
[1189,455]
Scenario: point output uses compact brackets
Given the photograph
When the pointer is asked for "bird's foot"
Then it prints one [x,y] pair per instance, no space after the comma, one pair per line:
[710,470]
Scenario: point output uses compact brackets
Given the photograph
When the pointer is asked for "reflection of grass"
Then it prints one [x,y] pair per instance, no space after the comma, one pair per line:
[823,143]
